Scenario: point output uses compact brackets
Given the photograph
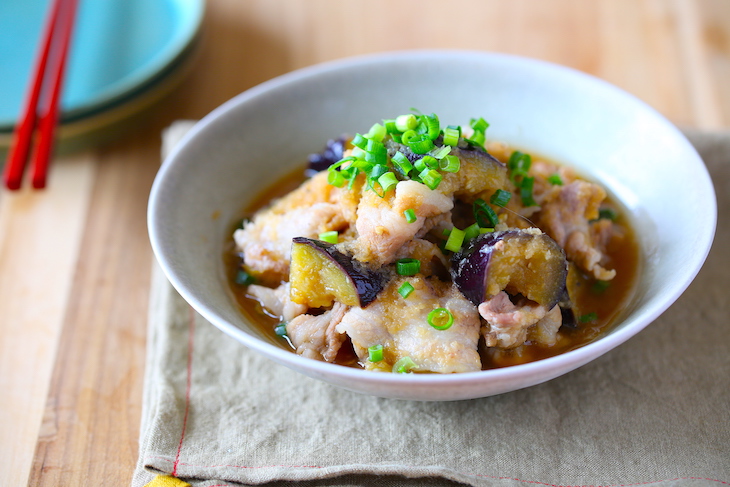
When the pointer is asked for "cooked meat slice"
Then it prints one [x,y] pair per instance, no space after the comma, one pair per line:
[507,323]
[382,229]
[316,336]
[277,301]
[545,331]
[566,214]
[401,326]
[305,212]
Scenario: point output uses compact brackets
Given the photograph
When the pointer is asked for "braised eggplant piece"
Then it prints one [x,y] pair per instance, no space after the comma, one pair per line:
[525,262]
[330,154]
[320,274]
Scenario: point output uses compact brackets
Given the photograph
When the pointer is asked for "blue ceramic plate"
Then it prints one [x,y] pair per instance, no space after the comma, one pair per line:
[118,47]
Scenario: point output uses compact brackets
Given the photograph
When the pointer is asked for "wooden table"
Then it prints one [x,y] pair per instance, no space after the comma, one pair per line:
[75,258]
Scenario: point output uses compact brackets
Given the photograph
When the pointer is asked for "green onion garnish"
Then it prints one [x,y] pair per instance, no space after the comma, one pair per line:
[243,278]
[335,178]
[420,144]
[390,126]
[471,231]
[519,164]
[478,124]
[376,171]
[280,329]
[430,178]
[500,198]
[329,237]
[456,238]
[484,214]
[402,162]
[410,215]
[404,365]
[607,214]
[387,181]
[441,152]
[526,192]
[406,122]
[433,126]
[600,286]
[441,319]
[360,141]
[451,136]
[375,353]
[555,179]
[586,318]
[407,267]
[450,164]
[377,132]
[406,289]
[477,138]
[408,135]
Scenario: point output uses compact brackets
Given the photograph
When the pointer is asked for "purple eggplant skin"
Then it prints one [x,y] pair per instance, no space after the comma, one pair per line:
[528,263]
[330,154]
[367,282]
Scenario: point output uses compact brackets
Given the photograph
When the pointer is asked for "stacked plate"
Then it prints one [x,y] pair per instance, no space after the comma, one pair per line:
[125,55]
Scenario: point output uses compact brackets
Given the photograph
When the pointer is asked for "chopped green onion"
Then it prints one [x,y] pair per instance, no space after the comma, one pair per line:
[243,278]
[420,144]
[376,171]
[500,198]
[430,178]
[477,138]
[519,164]
[376,132]
[433,126]
[484,214]
[406,289]
[586,318]
[526,192]
[335,178]
[402,163]
[456,238]
[360,141]
[406,122]
[408,135]
[600,286]
[280,329]
[441,152]
[471,231]
[607,214]
[329,237]
[479,124]
[407,267]
[430,161]
[555,179]
[358,153]
[410,215]
[486,230]
[450,164]
[387,181]
[451,136]
[390,126]
[404,365]
[375,353]
[441,319]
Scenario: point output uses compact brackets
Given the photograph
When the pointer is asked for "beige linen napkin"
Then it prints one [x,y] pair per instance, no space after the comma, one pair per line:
[655,411]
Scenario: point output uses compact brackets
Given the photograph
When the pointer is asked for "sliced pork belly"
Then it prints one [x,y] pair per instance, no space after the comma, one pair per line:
[309,210]
[401,326]
[316,337]
[277,301]
[565,215]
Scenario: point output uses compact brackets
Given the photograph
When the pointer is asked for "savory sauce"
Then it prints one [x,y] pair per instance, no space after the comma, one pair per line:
[597,304]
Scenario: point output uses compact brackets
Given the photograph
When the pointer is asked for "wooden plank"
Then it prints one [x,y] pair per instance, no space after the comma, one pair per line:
[90,429]
[40,236]
[714,18]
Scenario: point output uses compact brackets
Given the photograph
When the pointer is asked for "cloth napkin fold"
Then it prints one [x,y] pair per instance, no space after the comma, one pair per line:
[654,411]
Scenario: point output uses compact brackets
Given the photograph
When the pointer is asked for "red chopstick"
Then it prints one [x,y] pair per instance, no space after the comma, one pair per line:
[48,75]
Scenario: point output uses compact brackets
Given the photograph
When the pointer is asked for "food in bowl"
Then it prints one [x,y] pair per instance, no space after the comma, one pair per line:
[418,247]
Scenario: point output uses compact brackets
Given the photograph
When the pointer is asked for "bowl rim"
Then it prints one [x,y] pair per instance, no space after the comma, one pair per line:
[569,360]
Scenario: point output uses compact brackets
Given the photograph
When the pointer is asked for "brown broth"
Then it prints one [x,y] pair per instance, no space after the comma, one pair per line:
[606,303]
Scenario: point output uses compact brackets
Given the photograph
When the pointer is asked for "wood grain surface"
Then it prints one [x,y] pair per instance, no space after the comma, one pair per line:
[75,258]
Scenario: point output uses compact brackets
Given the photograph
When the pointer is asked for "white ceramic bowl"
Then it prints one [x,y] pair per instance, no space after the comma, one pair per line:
[258,136]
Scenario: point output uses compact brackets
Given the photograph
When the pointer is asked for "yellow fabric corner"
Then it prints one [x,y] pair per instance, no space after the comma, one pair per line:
[167,481]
